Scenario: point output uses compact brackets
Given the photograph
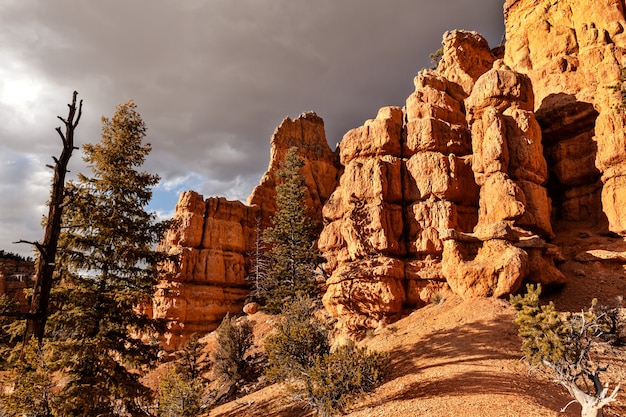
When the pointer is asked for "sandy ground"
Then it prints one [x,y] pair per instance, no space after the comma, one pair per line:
[462,357]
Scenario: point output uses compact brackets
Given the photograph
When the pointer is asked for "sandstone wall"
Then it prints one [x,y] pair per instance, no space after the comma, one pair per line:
[572,51]
[214,237]
[446,195]
[457,191]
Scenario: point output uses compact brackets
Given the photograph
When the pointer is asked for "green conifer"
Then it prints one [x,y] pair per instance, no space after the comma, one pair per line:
[293,255]
[234,341]
[563,342]
[108,269]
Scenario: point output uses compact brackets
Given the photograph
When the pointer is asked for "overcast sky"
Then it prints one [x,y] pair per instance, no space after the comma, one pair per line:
[212,80]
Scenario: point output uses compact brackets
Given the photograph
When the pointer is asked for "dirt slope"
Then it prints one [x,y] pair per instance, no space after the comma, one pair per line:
[462,357]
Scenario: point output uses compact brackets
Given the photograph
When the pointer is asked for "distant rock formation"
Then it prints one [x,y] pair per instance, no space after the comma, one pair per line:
[16,276]
[458,191]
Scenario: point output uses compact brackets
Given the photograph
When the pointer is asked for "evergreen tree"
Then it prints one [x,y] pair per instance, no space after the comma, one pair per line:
[293,255]
[182,389]
[234,340]
[299,340]
[191,361]
[564,343]
[180,396]
[108,265]
[28,386]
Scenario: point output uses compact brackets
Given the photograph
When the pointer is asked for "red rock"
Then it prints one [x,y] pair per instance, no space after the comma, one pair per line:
[320,169]
[495,268]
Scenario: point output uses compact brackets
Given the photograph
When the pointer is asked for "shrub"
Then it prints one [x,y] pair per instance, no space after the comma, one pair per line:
[299,340]
[182,389]
[29,386]
[299,354]
[564,343]
[230,359]
[337,378]
[180,396]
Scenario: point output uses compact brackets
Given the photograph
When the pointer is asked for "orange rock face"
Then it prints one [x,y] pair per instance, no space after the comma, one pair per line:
[456,192]
[214,237]
[437,197]
[572,51]
[320,170]
[208,278]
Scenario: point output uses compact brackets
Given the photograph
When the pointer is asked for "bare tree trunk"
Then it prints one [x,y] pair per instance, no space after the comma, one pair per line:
[592,405]
[38,311]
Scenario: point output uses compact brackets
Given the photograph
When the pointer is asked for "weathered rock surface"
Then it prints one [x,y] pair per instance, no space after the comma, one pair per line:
[320,170]
[16,276]
[456,192]
[214,237]
[208,277]
[442,199]
[572,51]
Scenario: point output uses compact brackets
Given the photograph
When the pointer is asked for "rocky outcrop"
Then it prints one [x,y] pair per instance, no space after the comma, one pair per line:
[457,192]
[572,51]
[444,196]
[364,222]
[213,238]
[320,165]
[207,277]
[16,276]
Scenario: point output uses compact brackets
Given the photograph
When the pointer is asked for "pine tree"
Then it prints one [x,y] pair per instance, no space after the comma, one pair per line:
[293,255]
[191,361]
[108,265]
[182,389]
[234,341]
[563,343]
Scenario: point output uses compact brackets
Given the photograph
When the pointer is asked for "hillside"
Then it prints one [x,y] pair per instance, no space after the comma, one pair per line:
[462,357]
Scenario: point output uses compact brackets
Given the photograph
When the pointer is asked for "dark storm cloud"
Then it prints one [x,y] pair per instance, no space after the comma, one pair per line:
[212,79]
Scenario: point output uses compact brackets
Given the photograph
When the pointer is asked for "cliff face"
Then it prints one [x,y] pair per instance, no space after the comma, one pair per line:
[16,275]
[458,191]
[572,51]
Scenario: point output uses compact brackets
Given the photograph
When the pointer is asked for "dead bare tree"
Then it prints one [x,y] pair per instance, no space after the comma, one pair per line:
[38,310]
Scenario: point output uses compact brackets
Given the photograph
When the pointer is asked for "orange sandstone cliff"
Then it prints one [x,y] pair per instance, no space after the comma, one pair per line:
[459,191]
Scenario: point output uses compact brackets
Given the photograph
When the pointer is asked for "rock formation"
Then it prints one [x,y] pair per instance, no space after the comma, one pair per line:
[573,51]
[16,276]
[213,238]
[320,165]
[458,191]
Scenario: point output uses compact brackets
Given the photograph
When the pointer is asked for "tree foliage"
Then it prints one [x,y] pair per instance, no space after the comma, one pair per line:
[182,390]
[234,340]
[29,386]
[299,340]
[328,381]
[108,264]
[180,396]
[293,255]
[191,361]
[338,377]
[564,344]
